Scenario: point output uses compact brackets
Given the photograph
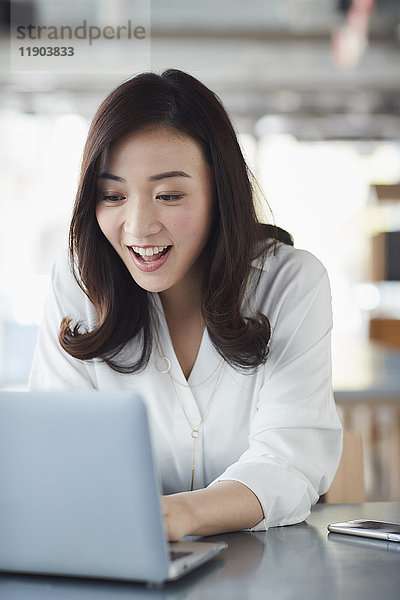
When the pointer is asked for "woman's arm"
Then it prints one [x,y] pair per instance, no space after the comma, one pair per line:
[52,368]
[295,433]
[222,507]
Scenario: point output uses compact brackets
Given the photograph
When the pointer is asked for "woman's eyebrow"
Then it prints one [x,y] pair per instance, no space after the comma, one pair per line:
[157,177]
[167,174]
[105,175]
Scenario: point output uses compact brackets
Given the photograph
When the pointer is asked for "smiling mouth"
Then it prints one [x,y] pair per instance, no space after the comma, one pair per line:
[148,255]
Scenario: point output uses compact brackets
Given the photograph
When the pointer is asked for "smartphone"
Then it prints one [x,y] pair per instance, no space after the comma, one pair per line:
[372,529]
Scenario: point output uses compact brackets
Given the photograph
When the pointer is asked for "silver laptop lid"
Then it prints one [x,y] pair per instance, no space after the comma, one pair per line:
[78,493]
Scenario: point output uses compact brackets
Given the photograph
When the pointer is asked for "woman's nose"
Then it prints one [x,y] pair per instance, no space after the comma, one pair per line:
[140,219]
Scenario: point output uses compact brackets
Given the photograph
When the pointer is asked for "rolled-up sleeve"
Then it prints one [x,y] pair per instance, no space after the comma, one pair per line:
[295,439]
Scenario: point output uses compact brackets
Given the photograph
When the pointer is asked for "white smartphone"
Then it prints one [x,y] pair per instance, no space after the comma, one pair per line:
[372,529]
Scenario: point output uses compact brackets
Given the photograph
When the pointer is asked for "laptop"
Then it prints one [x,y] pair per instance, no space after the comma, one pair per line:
[79,495]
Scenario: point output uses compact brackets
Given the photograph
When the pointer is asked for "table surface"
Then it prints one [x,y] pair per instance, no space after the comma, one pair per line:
[293,562]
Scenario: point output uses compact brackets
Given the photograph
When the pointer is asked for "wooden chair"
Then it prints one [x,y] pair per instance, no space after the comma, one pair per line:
[348,484]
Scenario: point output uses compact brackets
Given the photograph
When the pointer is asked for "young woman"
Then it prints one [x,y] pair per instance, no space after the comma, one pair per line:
[171,287]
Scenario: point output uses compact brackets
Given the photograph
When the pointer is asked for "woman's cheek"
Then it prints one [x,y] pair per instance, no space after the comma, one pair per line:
[107,222]
[194,223]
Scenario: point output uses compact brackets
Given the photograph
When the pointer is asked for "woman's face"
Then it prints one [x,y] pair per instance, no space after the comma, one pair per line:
[155,206]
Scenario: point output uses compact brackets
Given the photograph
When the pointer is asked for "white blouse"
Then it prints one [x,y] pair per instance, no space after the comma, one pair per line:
[276,430]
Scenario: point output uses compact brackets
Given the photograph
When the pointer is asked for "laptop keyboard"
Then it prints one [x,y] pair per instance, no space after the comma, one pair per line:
[174,554]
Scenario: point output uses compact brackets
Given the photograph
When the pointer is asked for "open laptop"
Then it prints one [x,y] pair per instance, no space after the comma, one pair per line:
[79,495]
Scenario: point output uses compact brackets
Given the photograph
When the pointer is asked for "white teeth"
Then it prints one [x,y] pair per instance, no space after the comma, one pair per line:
[148,251]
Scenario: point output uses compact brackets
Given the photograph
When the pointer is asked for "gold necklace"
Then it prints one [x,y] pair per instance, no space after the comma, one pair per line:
[167,369]
[194,430]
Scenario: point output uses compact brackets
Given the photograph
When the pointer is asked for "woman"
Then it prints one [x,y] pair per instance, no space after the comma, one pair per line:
[176,291]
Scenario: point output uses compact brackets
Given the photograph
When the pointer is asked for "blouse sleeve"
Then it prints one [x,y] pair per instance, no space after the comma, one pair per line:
[295,439]
[53,368]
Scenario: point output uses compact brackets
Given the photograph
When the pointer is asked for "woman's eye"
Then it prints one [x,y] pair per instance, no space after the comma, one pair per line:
[110,197]
[170,197]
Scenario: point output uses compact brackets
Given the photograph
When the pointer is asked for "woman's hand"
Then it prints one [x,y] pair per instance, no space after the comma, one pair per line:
[177,517]
[222,507]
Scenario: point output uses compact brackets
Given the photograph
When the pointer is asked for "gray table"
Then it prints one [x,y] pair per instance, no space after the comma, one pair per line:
[295,562]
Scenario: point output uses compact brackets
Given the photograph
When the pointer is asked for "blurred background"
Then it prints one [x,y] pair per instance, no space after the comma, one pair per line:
[313,89]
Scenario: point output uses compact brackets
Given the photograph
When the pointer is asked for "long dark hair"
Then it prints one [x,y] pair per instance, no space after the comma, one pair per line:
[177,100]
